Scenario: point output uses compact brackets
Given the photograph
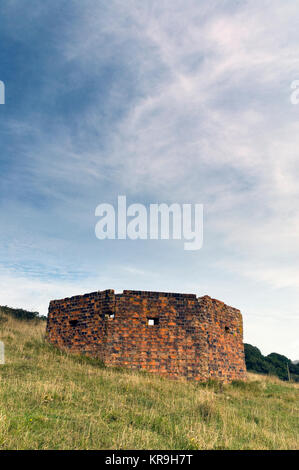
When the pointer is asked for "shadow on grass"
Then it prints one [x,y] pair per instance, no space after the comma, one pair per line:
[215,385]
[83,359]
[246,386]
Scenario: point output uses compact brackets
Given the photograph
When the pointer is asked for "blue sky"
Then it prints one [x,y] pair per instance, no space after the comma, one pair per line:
[169,101]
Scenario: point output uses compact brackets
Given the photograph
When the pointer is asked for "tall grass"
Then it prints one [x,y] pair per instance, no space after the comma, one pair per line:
[52,400]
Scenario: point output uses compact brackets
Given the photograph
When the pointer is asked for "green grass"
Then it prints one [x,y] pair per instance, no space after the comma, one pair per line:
[52,400]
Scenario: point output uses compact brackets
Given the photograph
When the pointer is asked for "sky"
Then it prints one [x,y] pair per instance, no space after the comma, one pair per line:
[165,101]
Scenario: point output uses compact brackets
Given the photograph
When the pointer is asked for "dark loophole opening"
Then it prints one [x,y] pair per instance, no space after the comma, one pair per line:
[226,329]
[73,323]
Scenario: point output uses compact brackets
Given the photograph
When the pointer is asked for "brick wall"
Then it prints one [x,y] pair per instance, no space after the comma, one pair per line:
[192,338]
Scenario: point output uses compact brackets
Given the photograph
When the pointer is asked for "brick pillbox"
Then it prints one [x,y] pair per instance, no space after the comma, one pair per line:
[174,335]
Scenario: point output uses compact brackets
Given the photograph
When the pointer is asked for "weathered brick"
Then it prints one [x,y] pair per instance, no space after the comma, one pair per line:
[195,338]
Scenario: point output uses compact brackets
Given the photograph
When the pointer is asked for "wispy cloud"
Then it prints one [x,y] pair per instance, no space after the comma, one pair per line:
[164,101]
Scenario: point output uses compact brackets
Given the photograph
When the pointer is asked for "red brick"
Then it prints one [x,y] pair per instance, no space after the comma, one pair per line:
[196,338]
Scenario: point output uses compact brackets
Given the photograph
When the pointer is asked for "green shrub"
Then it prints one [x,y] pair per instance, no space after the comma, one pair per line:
[273,364]
[21,314]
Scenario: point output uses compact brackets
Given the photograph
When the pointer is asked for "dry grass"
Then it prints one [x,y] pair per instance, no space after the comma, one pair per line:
[51,400]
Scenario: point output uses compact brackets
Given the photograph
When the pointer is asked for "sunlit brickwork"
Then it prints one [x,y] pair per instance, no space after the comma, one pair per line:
[174,335]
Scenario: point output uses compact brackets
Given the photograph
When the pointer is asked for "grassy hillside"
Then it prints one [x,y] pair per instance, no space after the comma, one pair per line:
[51,400]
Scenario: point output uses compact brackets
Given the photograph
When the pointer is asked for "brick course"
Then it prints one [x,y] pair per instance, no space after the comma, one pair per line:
[195,338]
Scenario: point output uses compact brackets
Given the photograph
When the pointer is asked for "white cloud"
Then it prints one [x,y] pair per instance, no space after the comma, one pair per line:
[209,120]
